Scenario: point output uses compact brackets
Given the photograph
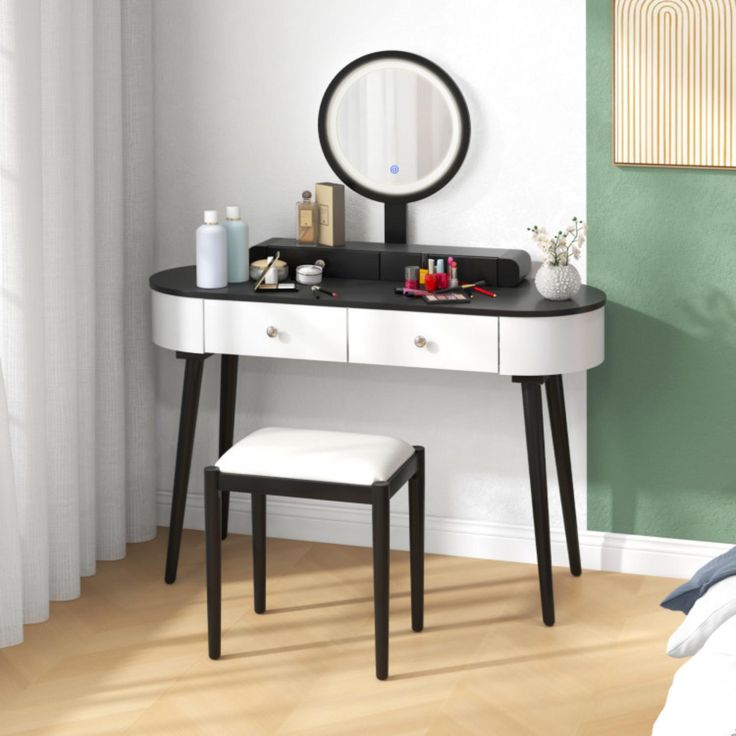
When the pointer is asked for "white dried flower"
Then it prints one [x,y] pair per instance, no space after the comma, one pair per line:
[557,249]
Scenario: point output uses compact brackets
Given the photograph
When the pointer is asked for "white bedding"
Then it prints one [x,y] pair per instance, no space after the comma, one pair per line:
[702,698]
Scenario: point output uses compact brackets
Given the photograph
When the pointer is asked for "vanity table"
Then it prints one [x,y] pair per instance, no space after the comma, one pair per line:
[395,128]
[518,334]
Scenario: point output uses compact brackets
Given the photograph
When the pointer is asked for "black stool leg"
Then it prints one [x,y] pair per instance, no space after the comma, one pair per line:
[187,423]
[213,544]
[416,542]
[531,391]
[258,515]
[228,389]
[558,422]
[381,546]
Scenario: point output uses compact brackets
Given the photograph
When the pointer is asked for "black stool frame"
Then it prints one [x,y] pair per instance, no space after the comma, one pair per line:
[378,495]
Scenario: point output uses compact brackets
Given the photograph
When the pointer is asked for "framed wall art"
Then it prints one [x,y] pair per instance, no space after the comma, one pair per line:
[674,94]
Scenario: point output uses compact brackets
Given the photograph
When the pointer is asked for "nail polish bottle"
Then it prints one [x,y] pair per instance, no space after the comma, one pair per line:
[441,280]
[430,281]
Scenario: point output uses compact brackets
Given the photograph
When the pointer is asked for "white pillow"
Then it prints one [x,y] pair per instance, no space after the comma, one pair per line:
[700,700]
[709,612]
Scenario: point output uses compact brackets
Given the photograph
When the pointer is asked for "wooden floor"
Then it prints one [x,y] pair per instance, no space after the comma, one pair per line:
[130,656]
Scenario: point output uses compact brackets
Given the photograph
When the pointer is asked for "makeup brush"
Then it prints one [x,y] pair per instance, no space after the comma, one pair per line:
[477,287]
[266,270]
[474,286]
[316,288]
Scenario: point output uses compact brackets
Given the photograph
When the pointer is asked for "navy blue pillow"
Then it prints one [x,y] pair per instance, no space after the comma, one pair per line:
[719,568]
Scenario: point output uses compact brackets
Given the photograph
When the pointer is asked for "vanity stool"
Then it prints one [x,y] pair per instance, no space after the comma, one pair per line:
[334,466]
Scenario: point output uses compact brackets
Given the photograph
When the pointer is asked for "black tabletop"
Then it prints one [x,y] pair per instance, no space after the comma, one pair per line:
[520,301]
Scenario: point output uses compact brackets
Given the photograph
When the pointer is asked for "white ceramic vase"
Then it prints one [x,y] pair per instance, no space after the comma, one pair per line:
[557,282]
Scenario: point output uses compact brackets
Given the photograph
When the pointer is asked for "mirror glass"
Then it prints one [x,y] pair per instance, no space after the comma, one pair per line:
[394,128]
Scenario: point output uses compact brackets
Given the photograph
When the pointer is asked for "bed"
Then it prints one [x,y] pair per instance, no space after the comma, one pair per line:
[702,698]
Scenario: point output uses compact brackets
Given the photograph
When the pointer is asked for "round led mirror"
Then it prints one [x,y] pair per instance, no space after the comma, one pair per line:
[394,126]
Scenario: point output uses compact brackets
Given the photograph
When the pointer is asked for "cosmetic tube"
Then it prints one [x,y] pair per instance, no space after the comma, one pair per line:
[412,292]
[453,276]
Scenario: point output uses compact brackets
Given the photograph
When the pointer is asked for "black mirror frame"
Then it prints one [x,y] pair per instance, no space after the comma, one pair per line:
[464,133]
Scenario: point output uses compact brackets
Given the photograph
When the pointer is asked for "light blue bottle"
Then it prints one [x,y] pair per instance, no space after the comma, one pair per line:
[237,246]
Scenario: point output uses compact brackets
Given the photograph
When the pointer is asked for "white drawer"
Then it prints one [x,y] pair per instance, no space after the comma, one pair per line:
[460,342]
[304,332]
[177,322]
[544,346]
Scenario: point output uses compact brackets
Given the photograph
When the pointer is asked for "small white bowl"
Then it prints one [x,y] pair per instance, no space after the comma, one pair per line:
[309,274]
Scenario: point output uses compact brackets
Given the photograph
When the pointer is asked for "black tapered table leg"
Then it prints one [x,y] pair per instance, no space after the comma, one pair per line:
[531,390]
[416,543]
[187,423]
[213,551]
[228,390]
[381,547]
[258,514]
[558,422]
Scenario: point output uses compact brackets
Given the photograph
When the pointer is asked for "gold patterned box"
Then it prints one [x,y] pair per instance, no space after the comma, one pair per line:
[331,210]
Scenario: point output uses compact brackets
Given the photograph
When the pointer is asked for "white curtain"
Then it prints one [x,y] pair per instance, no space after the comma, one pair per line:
[77,424]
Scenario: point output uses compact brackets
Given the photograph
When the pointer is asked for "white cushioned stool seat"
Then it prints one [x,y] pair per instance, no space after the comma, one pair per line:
[312,454]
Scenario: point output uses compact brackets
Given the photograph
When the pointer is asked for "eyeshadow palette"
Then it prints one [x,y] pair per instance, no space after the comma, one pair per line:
[451,297]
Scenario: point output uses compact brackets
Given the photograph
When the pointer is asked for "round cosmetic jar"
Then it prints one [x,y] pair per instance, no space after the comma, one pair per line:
[281,268]
[309,274]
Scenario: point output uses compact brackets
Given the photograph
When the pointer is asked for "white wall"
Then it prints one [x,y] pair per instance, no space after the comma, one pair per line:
[237,88]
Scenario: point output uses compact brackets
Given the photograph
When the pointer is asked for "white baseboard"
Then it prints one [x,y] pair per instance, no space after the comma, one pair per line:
[350,524]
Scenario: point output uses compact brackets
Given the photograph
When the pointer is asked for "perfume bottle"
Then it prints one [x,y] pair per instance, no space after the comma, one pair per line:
[306,215]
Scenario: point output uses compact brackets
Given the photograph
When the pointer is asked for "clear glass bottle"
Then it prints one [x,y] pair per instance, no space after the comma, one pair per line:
[306,219]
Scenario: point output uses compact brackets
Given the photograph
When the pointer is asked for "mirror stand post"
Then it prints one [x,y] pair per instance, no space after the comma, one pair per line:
[395,222]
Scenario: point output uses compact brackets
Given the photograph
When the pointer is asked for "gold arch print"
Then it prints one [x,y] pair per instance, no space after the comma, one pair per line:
[674,66]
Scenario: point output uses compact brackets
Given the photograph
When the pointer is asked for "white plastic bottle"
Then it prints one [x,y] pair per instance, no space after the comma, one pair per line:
[211,253]
[237,246]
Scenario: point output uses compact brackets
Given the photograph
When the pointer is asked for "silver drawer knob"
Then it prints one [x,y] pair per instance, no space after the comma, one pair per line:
[272,331]
[420,342]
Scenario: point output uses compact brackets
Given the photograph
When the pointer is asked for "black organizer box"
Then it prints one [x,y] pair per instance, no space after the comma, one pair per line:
[379,261]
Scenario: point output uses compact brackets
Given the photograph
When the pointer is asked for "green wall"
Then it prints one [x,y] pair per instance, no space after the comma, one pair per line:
[662,408]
